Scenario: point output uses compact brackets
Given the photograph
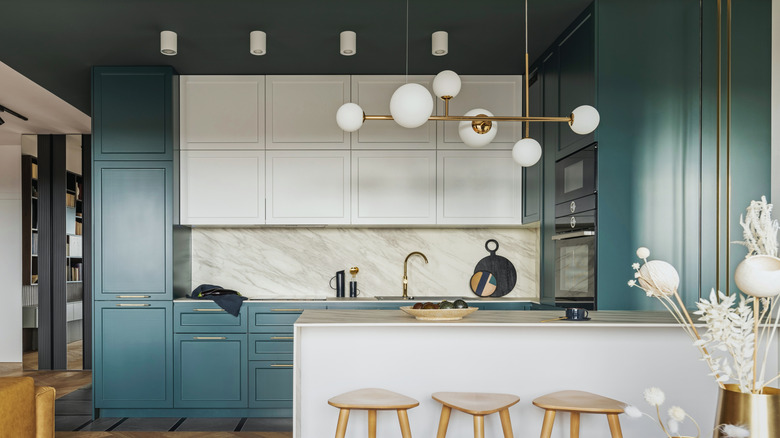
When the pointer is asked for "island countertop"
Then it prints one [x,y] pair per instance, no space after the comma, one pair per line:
[546,318]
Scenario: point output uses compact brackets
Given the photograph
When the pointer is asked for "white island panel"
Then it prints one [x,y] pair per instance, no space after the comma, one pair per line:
[616,354]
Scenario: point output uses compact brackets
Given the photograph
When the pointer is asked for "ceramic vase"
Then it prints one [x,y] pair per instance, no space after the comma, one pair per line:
[759,413]
[758,276]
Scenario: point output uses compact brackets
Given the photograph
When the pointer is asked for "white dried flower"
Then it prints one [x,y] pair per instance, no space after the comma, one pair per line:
[674,426]
[731,431]
[643,253]
[632,283]
[654,396]
[659,277]
[637,275]
[632,411]
[635,266]
[677,414]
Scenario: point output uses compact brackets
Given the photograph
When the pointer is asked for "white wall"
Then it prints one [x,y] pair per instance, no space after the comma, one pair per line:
[11,253]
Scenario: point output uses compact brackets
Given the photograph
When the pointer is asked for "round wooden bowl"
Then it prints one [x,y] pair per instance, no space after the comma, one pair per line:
[439,314]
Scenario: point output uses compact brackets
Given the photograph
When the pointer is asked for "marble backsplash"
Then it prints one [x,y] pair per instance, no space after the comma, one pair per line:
[299,262]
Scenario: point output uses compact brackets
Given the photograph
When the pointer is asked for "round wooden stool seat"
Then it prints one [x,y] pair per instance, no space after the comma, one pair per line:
[477,404]
[577,402]
[372,400]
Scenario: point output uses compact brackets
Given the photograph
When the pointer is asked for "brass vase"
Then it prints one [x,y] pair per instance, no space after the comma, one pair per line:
[759,413]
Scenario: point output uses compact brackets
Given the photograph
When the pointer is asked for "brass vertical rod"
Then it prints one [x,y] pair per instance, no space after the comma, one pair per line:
[728,145]
[527,79]
[717,155]
[446,107]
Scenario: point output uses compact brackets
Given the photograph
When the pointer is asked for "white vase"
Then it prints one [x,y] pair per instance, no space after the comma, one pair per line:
[759,276]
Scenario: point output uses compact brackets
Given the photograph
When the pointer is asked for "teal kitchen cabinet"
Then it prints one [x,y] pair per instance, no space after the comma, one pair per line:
[132,113]
[271,385]
[133,348]
[133,228]
[206,317]
[211,370]
[532,176]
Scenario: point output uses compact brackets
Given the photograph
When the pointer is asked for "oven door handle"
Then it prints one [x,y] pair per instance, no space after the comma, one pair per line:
[572,235]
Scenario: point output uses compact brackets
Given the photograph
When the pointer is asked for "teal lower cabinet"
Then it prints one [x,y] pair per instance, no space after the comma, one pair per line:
[271,385]
[133,348]
[210,371]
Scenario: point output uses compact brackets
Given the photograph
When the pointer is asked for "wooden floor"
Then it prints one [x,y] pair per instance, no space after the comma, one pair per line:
[64,382]
[173,434]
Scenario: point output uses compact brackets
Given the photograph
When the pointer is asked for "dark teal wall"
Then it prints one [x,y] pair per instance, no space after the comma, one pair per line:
[656,165]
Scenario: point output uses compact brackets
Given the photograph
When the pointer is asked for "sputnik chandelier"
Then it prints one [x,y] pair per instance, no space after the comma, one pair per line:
[411,106]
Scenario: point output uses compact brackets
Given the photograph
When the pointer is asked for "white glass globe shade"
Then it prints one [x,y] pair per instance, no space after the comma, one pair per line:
[446,83]
[350,117]
[411,105]
[586,119]
[527,152]
[471,137]
[758,276]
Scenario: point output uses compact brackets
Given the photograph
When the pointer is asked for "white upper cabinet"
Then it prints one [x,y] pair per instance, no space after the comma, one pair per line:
[478,187]
[222,187]
[307,187]
[394,187]
[501,95]
[373,94]
[301,112]
[222,112]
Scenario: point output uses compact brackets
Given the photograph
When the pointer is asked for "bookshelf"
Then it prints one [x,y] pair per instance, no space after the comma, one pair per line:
[74,227]
[29,220]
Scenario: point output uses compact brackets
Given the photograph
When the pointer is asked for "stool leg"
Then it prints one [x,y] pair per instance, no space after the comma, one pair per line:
[479,426]
[506,423]
[574,425]
[372,423]
[614,425]
[547,425]
[341,427]
[444,421]
[403,419]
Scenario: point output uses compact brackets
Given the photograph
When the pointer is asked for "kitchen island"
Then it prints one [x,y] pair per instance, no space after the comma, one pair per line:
[615,354]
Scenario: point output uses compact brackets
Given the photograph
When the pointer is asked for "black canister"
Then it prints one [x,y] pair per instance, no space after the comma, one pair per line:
[339,283]
[353,290]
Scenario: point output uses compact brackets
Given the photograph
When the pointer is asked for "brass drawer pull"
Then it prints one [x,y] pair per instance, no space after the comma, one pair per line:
[282,365]
[133,296]
[209,338]
[282,337]
[208,310]
[133,305]
[286,310]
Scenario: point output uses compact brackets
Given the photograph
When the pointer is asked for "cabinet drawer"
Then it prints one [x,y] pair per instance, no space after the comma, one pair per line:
[271,346]
[207,317]
[210,371]
[270,384]
[277,317]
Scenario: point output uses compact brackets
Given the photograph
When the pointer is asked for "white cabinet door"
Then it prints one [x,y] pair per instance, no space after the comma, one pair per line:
[373,94]
[501,95]
[307,187]
[301,112]
[222,112]
[222,187]
[478,187]
[394,187]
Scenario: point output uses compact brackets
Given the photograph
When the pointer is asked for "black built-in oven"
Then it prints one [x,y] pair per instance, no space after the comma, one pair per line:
[575,229]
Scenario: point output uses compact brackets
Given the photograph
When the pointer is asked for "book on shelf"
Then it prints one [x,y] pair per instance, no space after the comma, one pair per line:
[70,200]
[34,170]
[34,244]
[79,228]
[74,246]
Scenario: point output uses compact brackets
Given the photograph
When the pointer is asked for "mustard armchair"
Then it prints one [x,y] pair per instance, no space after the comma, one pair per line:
[26,410]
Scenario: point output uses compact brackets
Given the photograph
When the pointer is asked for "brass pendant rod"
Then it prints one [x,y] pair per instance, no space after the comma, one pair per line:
[717,155]
[728,143]
[482,118]
[527,80]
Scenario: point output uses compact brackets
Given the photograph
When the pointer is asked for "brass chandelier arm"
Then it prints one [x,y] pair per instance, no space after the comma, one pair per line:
[483,118]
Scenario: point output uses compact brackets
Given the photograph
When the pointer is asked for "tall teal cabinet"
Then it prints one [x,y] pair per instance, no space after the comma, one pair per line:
[132,154]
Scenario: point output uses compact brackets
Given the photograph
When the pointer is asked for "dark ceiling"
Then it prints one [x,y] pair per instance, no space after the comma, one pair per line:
[55,42]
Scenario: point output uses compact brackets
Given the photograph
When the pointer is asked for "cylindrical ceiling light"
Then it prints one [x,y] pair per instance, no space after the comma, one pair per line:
[168,44]
[439,43]
[348,45]
[257,42]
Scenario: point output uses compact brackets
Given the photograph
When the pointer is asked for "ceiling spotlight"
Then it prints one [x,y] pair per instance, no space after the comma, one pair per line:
[348,45]
[168,43]
[439,43]
[257,42]
[1,121]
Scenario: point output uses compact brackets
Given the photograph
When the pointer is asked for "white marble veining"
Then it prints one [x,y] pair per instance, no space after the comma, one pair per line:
[299,262]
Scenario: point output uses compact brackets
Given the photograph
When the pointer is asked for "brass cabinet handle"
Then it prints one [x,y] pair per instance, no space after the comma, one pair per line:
[209,337]
[282,337]
[133,305]
[133,296]
[282,365]
[286,310]
[208,310]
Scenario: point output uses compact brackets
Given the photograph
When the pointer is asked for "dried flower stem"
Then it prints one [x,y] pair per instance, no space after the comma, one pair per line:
[702,348]
[698,429]
[756,317]
[661,423]
[768,344]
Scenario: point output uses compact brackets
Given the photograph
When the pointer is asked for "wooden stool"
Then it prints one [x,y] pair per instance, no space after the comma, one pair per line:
[372,400]
[476,404]
[577,402]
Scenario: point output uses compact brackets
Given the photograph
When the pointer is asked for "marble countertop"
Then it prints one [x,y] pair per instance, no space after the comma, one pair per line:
[375,300]
[530,318]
